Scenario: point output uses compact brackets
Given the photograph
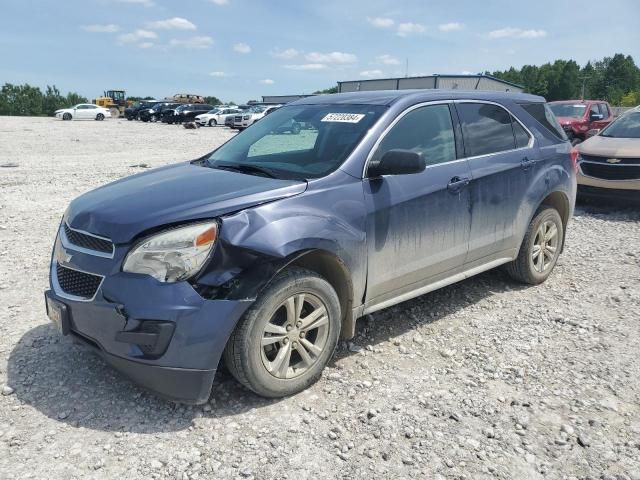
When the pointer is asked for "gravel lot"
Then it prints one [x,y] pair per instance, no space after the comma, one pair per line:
[483,379]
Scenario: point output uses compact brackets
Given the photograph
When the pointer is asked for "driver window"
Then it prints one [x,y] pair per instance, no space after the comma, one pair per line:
[594,110]
[426,130]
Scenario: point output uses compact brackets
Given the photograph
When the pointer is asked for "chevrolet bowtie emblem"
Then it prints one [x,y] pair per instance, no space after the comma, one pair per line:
[613,160]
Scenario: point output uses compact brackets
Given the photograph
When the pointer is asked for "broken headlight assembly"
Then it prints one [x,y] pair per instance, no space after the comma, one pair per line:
[173,255]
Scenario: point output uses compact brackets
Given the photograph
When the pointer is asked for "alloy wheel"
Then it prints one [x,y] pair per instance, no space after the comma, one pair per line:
[545,246]
[295,336]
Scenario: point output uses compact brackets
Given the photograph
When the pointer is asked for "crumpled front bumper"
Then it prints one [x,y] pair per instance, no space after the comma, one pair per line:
[125,303]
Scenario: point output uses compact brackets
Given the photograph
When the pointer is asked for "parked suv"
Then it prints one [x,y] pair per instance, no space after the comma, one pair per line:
[267,250]
[252,115]
[577,117]
[217,116]
[189,113]
[131,113]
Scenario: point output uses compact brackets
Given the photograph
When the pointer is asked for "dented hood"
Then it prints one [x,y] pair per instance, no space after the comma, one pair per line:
[123,209]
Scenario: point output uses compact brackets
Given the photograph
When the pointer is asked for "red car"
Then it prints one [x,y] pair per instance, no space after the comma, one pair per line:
[577,117]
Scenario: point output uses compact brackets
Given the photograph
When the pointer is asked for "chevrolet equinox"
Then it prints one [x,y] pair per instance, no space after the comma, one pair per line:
[264,253]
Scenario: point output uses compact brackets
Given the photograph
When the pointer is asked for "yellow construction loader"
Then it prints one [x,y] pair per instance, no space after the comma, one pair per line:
[114,100]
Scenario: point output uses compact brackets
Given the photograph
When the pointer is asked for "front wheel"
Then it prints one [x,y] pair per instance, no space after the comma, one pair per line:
[287,337]
[66,116]
[212,122]
[540,248]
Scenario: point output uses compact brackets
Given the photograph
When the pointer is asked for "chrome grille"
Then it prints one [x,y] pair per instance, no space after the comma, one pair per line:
[86,241]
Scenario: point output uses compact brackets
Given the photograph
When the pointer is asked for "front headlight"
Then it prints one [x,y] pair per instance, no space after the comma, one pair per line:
[173,255]
[246,117]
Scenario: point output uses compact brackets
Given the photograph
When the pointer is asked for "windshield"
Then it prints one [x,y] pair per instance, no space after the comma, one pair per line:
[299,141]
[183,107]
[568,110]
[626,126]
[214,111]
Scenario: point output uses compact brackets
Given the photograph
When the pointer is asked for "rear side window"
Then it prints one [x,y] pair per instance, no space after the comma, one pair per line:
[522,137]
[543,114]
[486,128]
[425,130]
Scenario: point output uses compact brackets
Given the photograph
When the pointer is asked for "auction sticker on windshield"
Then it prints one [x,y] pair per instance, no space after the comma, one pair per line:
[343,117]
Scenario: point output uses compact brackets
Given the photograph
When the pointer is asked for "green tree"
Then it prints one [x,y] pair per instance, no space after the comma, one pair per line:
[212,100]
[327,90]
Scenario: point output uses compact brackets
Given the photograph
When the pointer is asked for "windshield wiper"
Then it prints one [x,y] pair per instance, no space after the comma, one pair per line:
[245,168]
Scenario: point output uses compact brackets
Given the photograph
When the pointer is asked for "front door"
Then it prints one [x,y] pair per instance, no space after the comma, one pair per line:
[417,224]
[503,163]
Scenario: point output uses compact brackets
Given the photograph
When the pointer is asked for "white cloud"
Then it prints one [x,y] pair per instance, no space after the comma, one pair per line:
[387,60]
[242,48]
[193,42]
[219,74]
[220,2]
[406,29]
[381,22]
[307,66]
[145,3]
[267,81]
[450,27]
[331,57]
[509,32]
[175,23]
[146,45]
[371,73]
[137,36]
[287,54]
[109,28]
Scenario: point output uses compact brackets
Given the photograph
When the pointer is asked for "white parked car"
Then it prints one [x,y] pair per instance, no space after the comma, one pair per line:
[249,117]
[83,111]
[217,116]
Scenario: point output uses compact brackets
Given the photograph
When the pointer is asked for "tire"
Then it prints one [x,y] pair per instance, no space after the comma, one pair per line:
[295,128]
[154,118]
[257,367]
[526,267]
[66,116]
[99,117]
[212,122]
[130,119]
[115,113]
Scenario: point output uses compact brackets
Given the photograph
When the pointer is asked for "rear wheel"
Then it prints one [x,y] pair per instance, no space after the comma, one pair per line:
[287,337]
[100,117]
[115,113]
[66,116]
[540,248]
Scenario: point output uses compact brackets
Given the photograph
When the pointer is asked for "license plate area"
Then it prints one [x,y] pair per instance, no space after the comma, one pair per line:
[58,313]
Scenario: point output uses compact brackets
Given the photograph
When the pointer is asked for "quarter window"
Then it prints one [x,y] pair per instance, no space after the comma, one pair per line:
[486,128]
[522,137]
[426,130]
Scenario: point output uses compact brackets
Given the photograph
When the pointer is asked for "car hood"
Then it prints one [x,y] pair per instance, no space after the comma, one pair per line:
[186,191]
[611,147]
[568,120]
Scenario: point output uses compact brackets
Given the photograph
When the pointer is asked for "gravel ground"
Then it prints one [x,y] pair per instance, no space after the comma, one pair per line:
[483,379]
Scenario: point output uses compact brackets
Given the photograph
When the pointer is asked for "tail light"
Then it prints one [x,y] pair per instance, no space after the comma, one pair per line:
[574,158]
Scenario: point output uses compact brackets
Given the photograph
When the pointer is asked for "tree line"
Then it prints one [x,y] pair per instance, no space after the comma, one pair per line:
[29,100]
[614,79]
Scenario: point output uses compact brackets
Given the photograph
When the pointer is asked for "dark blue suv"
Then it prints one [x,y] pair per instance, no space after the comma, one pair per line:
[264,252]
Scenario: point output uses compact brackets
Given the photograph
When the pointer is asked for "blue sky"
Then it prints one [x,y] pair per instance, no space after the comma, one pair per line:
[241,49]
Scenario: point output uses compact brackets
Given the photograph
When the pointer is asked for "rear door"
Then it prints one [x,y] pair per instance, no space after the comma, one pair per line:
[502,158]
[417,224]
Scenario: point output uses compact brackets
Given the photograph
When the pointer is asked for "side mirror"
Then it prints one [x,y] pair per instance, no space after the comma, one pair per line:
[397,162]
[593,132]
[596,116]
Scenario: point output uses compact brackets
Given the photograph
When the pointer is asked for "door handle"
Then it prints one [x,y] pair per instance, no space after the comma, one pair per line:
[526,163]
[457,183]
